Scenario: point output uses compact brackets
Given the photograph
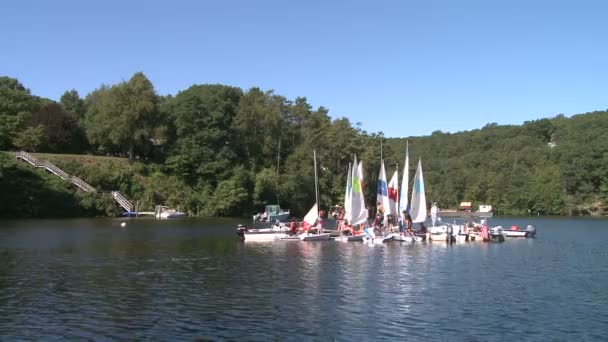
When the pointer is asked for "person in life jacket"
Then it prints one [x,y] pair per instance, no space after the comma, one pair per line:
[293,227]
[347,229]
[484,232]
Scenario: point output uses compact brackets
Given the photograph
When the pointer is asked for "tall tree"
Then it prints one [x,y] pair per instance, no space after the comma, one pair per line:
[203,144]
[122,118]
[16,105]
[63,134]
[71,101]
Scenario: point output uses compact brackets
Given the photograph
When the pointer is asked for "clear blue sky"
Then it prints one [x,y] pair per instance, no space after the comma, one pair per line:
[406,68]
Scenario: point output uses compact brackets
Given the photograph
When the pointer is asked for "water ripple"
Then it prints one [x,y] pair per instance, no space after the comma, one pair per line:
[179,281]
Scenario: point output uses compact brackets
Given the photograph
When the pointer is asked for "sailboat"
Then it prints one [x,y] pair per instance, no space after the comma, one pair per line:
[313,214]
[383,203]
[354,202]
[404,202]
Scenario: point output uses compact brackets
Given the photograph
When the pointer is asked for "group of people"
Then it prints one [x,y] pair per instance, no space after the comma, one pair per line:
[295,226]
[403,223]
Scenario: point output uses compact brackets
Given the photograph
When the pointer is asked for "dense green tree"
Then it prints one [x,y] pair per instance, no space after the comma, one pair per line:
[122,118]
[71,101]
[203,145]
[63,134]
[16,106]
[31,139]
[222,151]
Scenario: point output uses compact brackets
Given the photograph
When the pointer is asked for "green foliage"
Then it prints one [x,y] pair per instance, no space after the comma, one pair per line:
[31,138]
[16,105]
[121,119]
[28,192]
[203,148]
[71,101]
[217,150]
[61,128]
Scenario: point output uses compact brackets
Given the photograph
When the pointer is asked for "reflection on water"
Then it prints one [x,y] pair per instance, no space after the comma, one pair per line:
[191,279]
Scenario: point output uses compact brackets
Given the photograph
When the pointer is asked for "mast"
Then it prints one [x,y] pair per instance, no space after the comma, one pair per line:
[276,184]
[316,182]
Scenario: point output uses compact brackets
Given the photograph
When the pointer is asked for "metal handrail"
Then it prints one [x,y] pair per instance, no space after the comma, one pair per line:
[82,184]
[120,199]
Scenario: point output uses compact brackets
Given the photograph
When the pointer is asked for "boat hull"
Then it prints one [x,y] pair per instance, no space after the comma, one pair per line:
[263,236]
[350,238]
[315,237]
[514,234]
[402,238]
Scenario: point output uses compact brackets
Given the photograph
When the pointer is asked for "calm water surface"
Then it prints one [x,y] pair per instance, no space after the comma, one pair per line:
[190,279]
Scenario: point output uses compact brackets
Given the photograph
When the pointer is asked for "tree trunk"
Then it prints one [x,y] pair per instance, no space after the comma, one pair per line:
[131,151]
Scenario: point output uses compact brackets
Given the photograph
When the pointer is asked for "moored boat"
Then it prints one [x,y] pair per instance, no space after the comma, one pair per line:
[275,213]
[515,232]
[261,234]
[163,212]
[406,238]
[314,237]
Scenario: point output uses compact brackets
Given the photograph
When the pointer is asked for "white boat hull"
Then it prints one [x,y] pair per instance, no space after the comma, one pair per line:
[514,233]
[171,215]
[403,238]
[378,239]
[350,238]
[263,236]
[315,237]
[436,237]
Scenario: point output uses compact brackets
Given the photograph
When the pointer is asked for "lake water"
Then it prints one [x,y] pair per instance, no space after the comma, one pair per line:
[192,280]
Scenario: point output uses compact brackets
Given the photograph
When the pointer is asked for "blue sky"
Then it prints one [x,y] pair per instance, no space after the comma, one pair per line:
[406,68]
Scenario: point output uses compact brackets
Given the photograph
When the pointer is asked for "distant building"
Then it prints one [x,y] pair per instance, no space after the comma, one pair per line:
[465,206]
[484,208]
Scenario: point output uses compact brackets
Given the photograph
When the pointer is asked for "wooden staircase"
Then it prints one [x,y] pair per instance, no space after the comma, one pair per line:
[86,187]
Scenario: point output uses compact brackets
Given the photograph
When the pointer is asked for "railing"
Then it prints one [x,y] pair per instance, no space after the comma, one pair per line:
[27,157]
[54,169]
[120,199]
[45,164]
[82,184]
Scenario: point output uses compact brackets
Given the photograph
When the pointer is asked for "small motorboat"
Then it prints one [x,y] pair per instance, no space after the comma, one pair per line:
[262,234]
[163,212]
[516,232]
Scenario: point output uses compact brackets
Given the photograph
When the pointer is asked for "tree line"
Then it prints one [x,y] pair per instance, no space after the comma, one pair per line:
[222,151]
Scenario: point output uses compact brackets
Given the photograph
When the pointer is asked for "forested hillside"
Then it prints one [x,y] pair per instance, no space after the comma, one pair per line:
[220,150]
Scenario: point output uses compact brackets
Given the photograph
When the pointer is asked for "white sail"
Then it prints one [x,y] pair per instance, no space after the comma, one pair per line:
[418,209]
[382,191]
[404,203]
[358,210]
[312,215]
[347,194]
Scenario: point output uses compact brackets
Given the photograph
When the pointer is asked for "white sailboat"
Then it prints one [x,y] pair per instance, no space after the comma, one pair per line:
[383,203]
[418,201]
[354,203]
[404,203]
[313,214]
